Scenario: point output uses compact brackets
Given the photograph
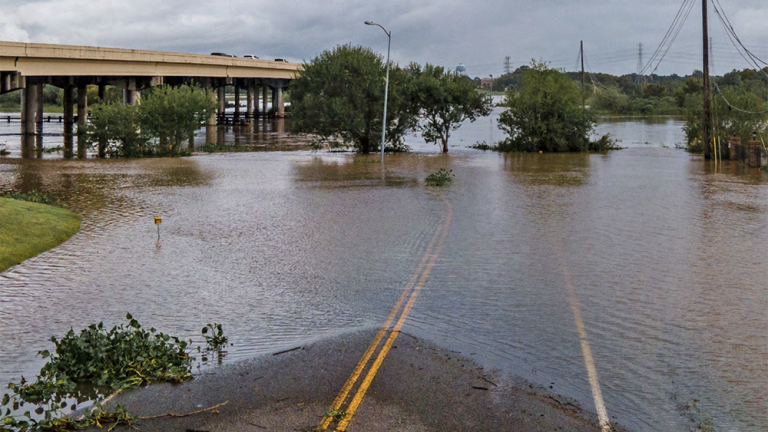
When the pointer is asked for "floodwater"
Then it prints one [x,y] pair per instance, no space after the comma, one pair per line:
[663,255]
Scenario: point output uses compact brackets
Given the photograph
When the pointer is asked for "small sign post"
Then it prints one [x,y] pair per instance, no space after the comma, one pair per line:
[158,221]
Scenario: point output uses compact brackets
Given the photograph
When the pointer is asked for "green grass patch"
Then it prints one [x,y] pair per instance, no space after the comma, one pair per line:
[29,229]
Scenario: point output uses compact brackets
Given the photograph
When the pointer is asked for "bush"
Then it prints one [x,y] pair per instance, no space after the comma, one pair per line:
[115,129]
[31,196]
[123,357]
[545,114]
[166,117]
[726,121]
[441,177]
[173,114]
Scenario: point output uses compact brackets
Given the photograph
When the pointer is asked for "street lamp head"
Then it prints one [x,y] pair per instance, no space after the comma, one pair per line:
[370,23]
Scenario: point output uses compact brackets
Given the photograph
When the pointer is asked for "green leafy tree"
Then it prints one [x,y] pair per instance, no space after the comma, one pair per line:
[339,96]
[445,100]
[610,100]
[114,128]
[173,114]
[166,117]
[745,116]
[546,114]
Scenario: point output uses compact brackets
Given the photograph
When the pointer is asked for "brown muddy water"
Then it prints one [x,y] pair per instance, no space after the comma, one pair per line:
[665,255]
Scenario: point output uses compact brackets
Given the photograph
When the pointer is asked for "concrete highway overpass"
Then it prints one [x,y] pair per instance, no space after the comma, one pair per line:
[28,66]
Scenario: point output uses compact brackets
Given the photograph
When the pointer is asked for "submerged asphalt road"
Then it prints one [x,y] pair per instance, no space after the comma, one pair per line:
[420,387]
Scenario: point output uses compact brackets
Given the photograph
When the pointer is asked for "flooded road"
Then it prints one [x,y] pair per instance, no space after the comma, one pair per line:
[663,254]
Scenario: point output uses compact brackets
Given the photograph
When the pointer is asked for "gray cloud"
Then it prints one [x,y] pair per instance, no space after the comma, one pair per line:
[479,34]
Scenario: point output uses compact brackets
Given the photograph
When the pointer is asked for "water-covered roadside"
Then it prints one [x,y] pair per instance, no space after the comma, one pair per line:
[285,247]
[421,387]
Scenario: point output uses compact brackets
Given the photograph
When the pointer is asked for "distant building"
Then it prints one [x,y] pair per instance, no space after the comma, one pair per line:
[461,70]
[486,83]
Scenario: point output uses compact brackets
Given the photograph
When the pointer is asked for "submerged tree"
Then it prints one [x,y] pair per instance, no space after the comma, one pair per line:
[545,113]
[736,111]
[114,129]
[166,117]
[445,100]
[339,96]
[173,114]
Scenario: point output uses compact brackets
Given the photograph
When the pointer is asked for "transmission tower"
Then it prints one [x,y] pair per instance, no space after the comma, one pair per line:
[507,65]
[639,79]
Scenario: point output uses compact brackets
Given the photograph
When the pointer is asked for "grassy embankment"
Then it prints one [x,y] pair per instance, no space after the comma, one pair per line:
[28,229]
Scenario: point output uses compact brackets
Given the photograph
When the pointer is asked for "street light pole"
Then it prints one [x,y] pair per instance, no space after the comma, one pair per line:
[386,88]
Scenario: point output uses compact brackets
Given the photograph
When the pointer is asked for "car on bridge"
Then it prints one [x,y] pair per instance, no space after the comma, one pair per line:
[222,54]
[281,60]
[250,56]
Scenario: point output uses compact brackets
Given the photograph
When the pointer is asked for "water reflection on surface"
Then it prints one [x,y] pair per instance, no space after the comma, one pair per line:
[54,141]
[666,254]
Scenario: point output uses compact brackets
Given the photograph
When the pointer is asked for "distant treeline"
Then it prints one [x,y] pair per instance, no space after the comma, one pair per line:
[654,94]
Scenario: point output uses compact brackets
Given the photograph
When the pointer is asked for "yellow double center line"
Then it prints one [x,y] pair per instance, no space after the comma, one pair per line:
[413,288]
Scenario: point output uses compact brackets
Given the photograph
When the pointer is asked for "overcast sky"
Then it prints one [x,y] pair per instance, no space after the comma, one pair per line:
[479,34]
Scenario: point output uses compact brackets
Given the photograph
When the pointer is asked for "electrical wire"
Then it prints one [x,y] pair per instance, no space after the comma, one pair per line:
[674,29]
[750,58]
[677,32]
[729,27]
[731,106]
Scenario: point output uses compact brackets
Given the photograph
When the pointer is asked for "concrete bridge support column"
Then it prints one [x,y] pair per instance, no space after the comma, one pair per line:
[264,106]
[237,103]
[280,103]
[210,128]
[222,103]
[273,112]
[39,108]
[69,120]
[39,120]
[249,102]
[82,119]
[102,92]
[29,110]
[133,97]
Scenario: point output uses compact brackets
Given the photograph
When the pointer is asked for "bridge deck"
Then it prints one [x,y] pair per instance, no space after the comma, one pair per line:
[33,59]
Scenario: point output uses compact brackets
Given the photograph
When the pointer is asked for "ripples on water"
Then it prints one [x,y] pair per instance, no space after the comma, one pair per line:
[666,253]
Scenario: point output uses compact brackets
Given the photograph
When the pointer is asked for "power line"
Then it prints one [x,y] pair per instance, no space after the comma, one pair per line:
[669,38]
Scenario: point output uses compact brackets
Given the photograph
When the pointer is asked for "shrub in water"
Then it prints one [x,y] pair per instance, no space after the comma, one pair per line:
[122,357]
[440,178]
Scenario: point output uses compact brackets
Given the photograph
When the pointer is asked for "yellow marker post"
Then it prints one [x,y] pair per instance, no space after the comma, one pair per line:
[158,221]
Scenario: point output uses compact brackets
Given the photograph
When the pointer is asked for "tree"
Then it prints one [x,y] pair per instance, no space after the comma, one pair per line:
[745,116]
[339,96]
[114,128]
[173,114]
[167,115]
[610,100]
[546,114]
[445,100]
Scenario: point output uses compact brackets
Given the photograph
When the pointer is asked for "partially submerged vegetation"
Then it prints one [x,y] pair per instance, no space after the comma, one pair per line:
[441,177]
[31,226]
[166,117]
[339,97]
[546,113]
[83,366]
[739,108]
[444,101]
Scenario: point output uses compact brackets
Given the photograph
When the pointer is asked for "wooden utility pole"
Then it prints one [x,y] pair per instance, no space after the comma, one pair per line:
[583,98]
[707,119]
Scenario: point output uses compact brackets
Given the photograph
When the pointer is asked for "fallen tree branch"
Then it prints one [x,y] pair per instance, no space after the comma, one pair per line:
[183,415]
